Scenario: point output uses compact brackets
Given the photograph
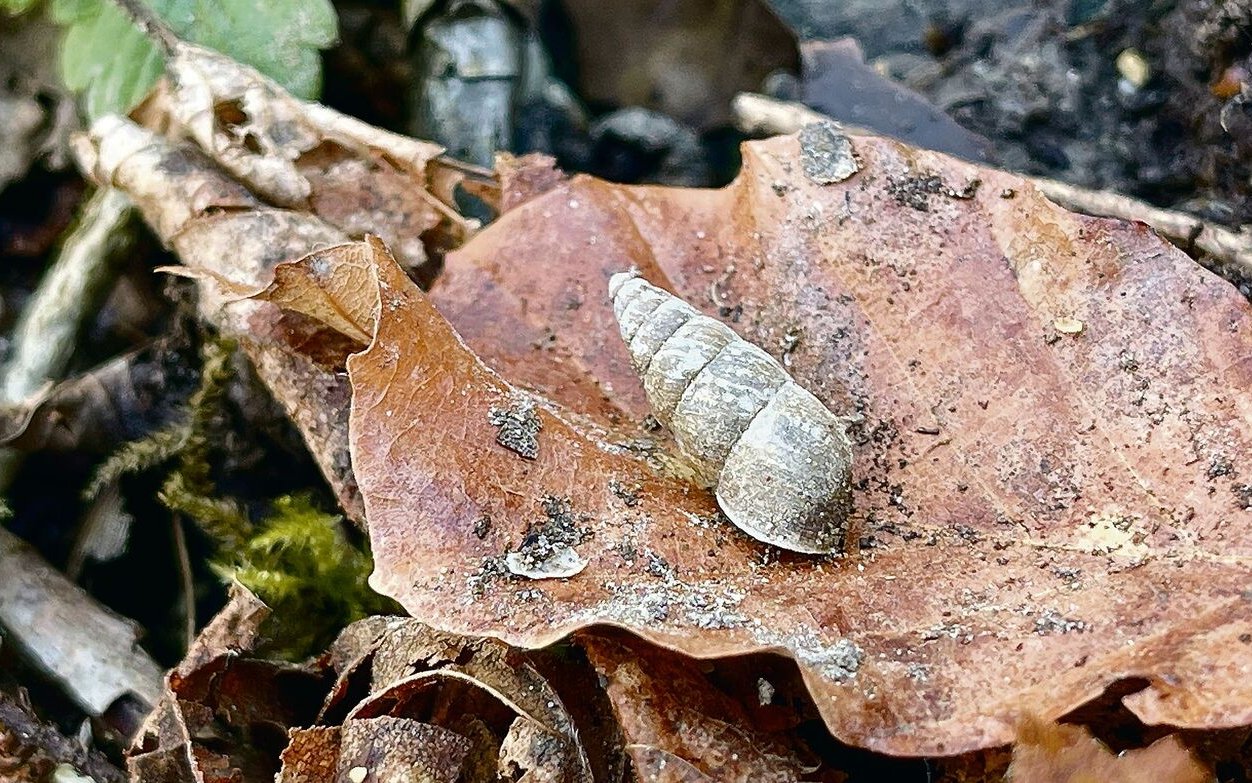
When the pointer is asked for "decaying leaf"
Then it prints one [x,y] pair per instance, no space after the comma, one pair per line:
[294,153]
[1036,517]
[311,755]
[407,701]
[407,662]
[231,242]
[677,727]
[220,707]
[299,154]
[352,176]
[386,748]
[1057,753]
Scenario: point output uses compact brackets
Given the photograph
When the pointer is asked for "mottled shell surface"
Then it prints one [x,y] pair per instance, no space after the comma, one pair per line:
[778,460]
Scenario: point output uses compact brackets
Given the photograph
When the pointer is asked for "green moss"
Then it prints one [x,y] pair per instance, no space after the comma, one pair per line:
[186,441]
[303,565]
[137,457]
[221,519]
[297,558]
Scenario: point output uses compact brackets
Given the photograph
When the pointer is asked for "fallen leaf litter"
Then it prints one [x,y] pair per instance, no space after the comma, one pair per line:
[1013,514]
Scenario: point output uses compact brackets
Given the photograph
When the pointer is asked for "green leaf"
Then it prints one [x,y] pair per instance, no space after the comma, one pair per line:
[15,7]
[107,58]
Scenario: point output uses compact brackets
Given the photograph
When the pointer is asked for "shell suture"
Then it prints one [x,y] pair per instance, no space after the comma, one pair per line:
[778,460]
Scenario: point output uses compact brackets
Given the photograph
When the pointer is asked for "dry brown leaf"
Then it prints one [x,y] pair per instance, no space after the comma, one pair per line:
[1037,515]
[386,748]
[294,153]
[236,628]
[344,300]
[221,708]
[416,672]
[230,243]
[679,728]
[1058,753]
[311,755]
[521,179]
[408,701]
[526,756]
[1079,518]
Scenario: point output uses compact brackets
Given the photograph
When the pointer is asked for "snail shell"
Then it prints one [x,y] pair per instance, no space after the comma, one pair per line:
[778,460]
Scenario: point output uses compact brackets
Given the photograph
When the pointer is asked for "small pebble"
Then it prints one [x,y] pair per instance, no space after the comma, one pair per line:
[1068,325]
[1134,68]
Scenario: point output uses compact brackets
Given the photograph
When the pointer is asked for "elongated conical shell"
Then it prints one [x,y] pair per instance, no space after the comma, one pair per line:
[786,481]
[779,461]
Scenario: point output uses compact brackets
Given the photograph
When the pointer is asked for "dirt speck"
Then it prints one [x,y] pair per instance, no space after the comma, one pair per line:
[826,154]
[1243,495]
[1051,622]
[1068,325]
[519,427]
[547,549]
[915,191]
[628,495]
[1220,465]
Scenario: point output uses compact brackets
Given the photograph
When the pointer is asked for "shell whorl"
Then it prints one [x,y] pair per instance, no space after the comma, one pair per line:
[779,461]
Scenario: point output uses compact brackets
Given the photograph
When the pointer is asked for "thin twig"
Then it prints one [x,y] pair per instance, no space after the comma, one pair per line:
[1233,247]
[187,579]
[40,746]
[763,115]
[90,651]
[46,335]
[151,25]
[47,332]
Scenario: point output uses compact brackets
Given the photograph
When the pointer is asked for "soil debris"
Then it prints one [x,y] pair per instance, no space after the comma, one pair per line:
[915,191]
[519,428]
[826,154]
[547,550]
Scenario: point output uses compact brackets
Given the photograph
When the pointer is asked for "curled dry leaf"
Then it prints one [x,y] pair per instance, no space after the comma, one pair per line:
[677,727]
[236,628]
[1036,516]
[1057,753]
[396,698]
[410,666]
[221,708]
[304,155]
[311,755]
[230,242]
[386,748]
[340,294]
